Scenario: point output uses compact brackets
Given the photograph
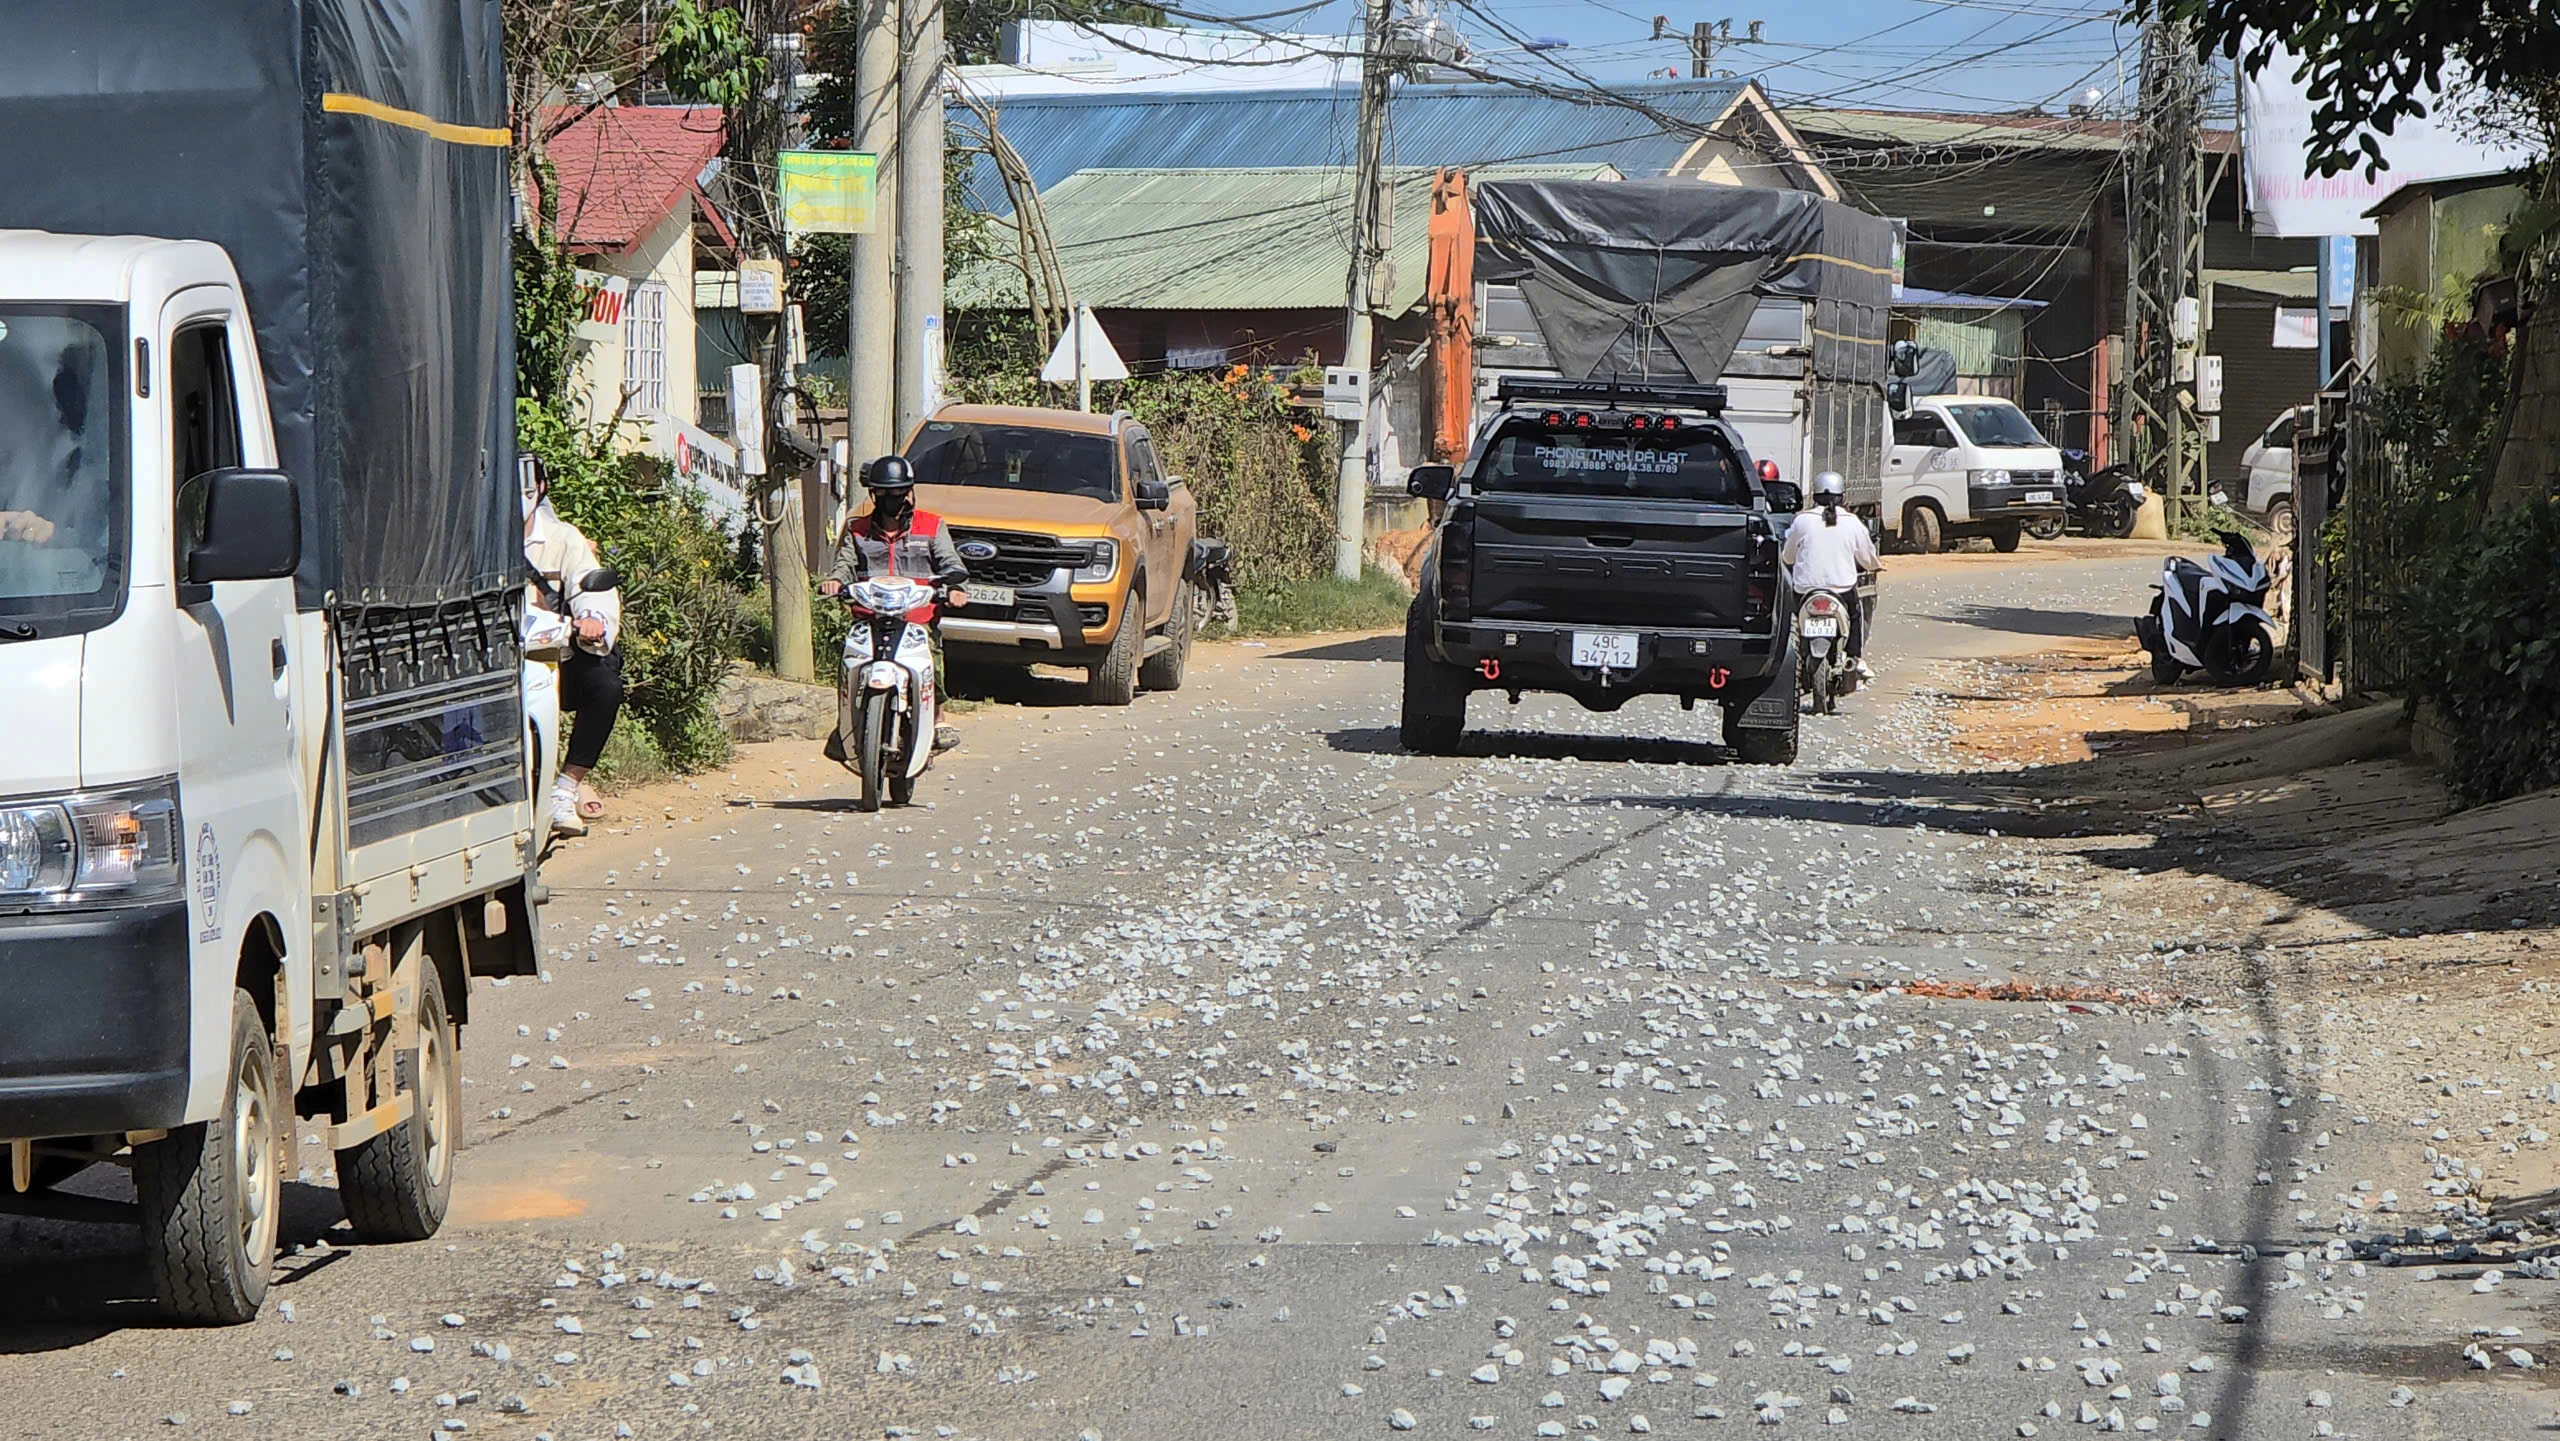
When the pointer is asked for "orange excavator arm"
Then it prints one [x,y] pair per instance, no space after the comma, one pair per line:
[1449,297]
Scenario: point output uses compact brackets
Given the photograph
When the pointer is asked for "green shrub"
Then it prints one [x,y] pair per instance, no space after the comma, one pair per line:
[2485,624]
[683,620]
[1375,601]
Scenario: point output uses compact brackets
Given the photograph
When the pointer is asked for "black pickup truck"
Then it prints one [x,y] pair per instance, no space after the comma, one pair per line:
[1607,540]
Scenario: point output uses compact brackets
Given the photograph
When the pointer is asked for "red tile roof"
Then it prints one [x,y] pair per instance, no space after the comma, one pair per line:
[623,169]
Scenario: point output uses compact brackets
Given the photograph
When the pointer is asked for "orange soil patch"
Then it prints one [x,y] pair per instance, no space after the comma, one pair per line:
[2036,991]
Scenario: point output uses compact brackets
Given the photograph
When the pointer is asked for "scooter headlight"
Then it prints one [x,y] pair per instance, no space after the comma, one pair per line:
[1102,561]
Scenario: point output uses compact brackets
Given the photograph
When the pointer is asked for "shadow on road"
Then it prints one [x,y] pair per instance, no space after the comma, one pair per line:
[1367,647]
[64,1284]
[2029,620]
[1545,746]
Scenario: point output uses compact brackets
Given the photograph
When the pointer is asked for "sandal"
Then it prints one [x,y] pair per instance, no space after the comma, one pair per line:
[590,805]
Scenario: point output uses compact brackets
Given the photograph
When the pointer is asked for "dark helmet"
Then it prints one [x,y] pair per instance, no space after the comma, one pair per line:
[889,473]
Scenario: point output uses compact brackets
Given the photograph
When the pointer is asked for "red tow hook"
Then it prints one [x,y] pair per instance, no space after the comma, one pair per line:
[1489,668]
[1718,678]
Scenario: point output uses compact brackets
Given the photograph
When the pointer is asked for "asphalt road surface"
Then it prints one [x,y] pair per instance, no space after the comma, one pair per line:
[1210,1068]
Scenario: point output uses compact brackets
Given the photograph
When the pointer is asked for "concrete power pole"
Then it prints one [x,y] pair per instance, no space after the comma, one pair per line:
[920,185]
[2164,261]
[871,294]
[786,545]
[1368,253]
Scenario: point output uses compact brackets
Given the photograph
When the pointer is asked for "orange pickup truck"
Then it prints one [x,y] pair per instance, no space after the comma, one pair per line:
[1081,551]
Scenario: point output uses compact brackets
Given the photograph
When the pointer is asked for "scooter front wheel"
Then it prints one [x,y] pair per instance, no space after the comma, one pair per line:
[871,743]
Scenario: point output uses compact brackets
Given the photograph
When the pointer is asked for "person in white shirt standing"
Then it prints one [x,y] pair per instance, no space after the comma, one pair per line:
[579,628]
[1823,553]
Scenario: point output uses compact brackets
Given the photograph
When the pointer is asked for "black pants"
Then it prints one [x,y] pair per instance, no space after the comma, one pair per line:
[591,691]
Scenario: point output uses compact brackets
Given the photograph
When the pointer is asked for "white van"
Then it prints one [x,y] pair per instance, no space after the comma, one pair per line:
[1966,465]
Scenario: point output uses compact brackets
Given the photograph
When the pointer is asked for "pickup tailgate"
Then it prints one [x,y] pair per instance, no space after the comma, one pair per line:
[1575,560]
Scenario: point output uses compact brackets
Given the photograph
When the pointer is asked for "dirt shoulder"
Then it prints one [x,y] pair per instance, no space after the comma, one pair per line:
[2300,862]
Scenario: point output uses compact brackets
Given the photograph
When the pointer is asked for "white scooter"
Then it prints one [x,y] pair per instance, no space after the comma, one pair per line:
[887,704]
[1822,649]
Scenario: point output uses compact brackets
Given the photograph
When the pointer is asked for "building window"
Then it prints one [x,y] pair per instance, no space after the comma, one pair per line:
[644,348]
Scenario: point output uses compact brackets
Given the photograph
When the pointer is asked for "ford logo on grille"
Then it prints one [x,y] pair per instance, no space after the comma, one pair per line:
[977,550]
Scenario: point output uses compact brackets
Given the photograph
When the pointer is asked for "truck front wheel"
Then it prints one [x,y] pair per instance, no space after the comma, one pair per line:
[1115,680]
[212,1193]
[1163,670]
[395,1186]
[1923,533]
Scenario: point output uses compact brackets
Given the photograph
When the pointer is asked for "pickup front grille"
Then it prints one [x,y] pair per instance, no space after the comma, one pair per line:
[1020,560]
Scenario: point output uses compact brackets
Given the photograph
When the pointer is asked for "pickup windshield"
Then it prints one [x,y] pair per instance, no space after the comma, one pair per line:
[1996,423]
[1016,457]
[1693,465]
[61,466]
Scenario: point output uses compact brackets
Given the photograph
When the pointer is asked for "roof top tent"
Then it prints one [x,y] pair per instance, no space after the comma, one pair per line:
[351,155]
[1780,294]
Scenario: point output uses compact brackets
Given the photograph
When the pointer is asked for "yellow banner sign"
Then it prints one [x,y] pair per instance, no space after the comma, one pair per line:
[829,192]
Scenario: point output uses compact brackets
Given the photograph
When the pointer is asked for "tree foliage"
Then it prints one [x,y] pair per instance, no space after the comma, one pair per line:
[2371,65]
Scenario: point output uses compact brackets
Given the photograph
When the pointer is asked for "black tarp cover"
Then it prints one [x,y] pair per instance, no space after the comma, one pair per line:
[351,156]
[1659,278]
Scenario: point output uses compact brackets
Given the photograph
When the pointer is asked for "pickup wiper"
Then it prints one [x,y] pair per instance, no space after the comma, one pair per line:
[16,630]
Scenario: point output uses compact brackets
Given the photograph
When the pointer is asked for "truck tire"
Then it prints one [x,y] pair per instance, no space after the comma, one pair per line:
[2280,520]
[2004,538]
[1114,681]
[1163,670]
[1755,747]
[396,1186]
[211,1194]
[1434,715]
[1923,533]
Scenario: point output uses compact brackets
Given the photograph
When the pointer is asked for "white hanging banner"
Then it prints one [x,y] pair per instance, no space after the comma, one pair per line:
[2285,198]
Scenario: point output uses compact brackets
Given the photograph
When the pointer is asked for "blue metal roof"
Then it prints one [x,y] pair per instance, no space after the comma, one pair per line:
[1427,125]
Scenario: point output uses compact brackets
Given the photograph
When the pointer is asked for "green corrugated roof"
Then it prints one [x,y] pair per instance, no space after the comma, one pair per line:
[1271,239]
[2283,284]
[2030,132]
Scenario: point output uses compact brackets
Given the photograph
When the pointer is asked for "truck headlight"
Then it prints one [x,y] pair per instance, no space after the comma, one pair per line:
[1988,477]
[1102,561]
[119,845]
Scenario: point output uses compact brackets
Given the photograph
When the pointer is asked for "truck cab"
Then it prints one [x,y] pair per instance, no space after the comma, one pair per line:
[1969,465]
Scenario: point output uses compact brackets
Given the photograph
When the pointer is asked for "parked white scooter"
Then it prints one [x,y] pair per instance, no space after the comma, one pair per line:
[887,704]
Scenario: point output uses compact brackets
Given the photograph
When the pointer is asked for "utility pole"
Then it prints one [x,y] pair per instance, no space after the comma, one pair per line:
[1368,253]
[1704,38]
[2164,265]
[786,541]
[920,201]
[871,294]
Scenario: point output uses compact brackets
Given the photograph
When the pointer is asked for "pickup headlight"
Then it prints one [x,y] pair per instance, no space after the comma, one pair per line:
[1987,477]
[115,846]
[1102,561]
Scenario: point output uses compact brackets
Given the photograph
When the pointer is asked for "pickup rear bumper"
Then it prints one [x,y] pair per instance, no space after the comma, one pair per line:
[93,1035]
[1719,665]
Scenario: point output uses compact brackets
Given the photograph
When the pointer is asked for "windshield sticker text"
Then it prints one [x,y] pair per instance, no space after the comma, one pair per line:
[1620,460]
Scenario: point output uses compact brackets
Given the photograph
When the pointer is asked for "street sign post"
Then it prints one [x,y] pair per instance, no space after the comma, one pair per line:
[1084,355]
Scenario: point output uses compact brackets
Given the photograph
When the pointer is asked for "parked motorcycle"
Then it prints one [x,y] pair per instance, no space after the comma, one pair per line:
[1822,650]
[2103,505]
[2211,617]
[887,704]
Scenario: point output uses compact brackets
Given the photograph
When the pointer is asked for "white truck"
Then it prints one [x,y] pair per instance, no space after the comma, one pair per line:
[264,805]
[1969,465]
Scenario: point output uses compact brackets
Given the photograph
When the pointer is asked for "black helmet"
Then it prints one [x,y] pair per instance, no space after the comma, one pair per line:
[889,473]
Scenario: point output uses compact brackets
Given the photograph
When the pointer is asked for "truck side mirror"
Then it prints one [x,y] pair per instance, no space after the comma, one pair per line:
[247,525]
[1154,495]
[1905,357]
[1897,397]
[1431,482]
[1785,496]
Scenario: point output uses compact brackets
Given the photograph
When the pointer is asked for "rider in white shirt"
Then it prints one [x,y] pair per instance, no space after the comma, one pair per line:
[1821,553]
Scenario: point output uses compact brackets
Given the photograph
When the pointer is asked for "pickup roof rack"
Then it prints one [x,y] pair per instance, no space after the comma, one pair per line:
[1607,393]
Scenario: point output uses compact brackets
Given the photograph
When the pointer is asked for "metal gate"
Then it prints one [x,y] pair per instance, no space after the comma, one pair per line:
[2360,509]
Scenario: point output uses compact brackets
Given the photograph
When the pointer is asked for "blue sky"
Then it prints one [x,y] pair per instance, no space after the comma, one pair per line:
[1903,54]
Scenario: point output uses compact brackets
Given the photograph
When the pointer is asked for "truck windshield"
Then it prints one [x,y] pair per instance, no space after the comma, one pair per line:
[62,467]
[1695,465]
[1016,457]
[1996,423]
